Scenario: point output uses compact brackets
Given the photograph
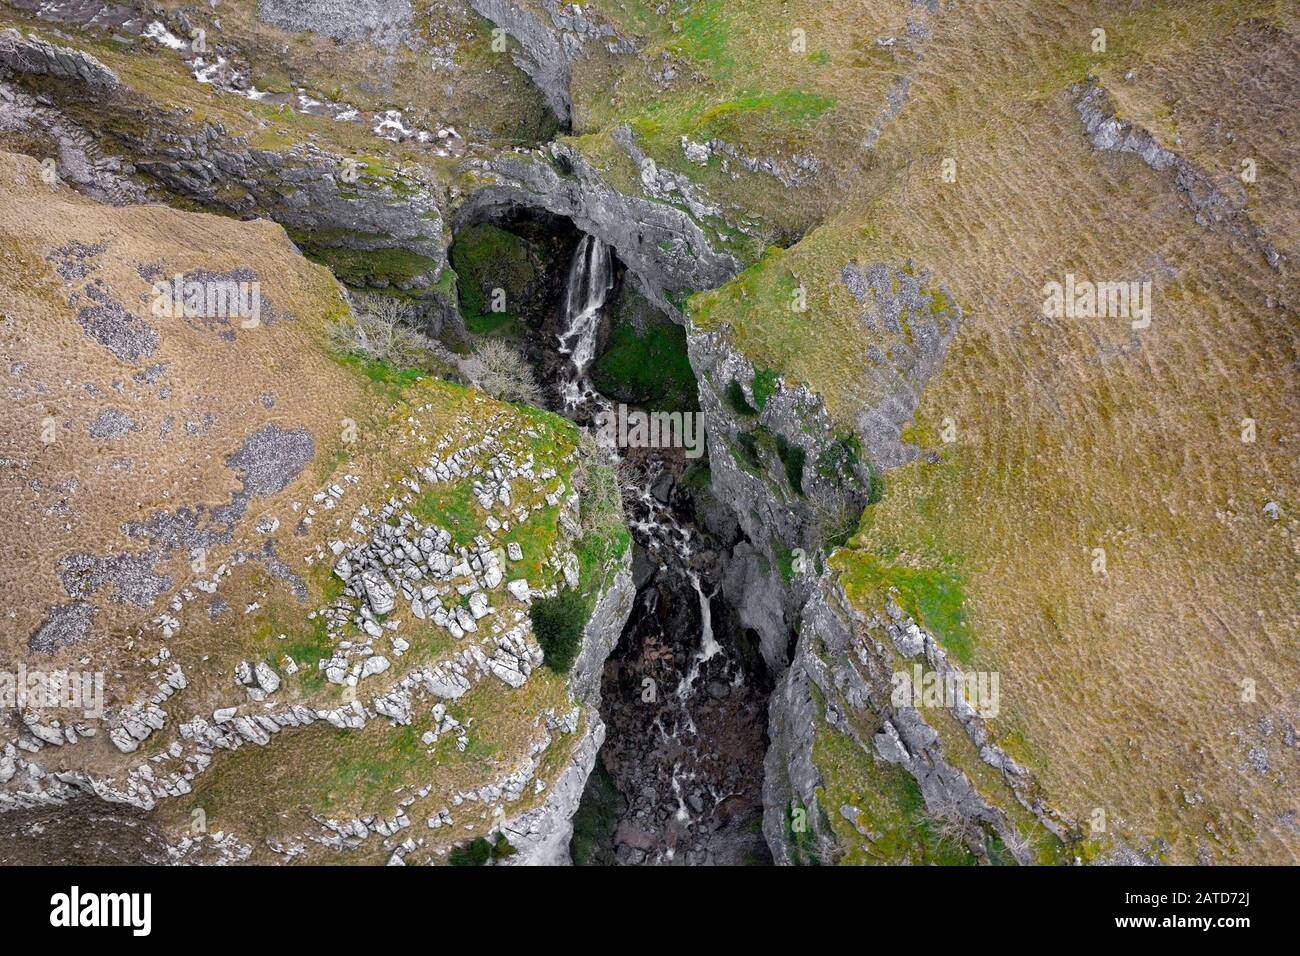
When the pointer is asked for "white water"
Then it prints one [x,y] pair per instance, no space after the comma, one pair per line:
[709,647]
[591,276]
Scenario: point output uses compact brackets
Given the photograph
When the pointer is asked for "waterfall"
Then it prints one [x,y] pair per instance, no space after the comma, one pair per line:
[591,276]
[709,647]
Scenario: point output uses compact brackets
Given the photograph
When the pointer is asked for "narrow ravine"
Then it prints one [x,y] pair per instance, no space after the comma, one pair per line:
[684,703]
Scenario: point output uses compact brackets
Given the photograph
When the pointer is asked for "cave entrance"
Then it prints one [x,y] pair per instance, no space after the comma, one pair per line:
[525,277]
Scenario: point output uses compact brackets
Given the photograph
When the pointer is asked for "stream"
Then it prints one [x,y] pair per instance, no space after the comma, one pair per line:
[683,699]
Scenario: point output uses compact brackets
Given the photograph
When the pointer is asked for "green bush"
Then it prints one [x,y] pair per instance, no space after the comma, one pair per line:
[480,850]
[736,399]
[792,456]
[475,853]
[764,386]
[558,624]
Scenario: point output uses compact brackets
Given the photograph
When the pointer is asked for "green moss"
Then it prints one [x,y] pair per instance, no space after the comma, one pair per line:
[381,373]
[784,559]
[606,538]
[698,477]
[475,853]
[764,387]
[934,597]
[889,804]
[785,108]
[363,267]
[747,451]
[647,367]
[487,258]
[838,461]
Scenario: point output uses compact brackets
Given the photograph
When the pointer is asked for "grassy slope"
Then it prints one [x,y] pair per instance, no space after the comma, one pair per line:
[398,419]
[1078,434]
[739,77]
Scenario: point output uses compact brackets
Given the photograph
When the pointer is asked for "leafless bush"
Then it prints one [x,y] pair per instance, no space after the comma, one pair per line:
[946,821]
[835,515]
[1020,845]
[602,486]
[633,480]
[504,374]
[380,330]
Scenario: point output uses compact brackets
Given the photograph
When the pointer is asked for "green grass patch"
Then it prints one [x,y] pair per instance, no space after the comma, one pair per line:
[799,833]
[889,804]
[933,597]
[480,851]
[454,508]
[534,537]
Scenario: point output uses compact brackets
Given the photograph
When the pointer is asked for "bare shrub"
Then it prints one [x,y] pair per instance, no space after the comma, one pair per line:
[503,373]
[1020,845]
[946,821]
[602,485]
[835,515]
[380,330]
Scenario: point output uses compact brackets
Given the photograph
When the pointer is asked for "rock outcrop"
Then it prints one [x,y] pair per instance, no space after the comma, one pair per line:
[665,247]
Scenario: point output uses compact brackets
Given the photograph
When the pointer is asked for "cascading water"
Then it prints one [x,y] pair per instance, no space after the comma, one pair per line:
[591,276]
[685,715]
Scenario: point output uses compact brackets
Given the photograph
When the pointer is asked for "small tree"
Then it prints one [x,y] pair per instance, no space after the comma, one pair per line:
[504,374]
[558,623]
[475,853]
[380,330]
[480,850]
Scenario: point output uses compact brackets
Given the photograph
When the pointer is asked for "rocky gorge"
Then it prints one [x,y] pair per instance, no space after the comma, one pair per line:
[866,504]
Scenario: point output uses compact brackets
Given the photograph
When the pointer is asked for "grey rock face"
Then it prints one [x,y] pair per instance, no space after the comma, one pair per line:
[890,297]
[304,189]
[66,624]
[112,423]
[852,668]
[542,835]
[550,40]
[778,515]
[384,23]
[80,160]
[34,55]
[379,592]
[664,246]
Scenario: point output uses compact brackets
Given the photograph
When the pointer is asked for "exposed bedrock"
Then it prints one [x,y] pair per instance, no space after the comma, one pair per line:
[379,229]
[550,37]
[786,473]
[840,679]
[542,835]
[664,247]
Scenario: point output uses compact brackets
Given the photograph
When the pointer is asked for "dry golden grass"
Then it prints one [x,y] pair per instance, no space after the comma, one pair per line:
[75,493]
[78,493]
[1122,690]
